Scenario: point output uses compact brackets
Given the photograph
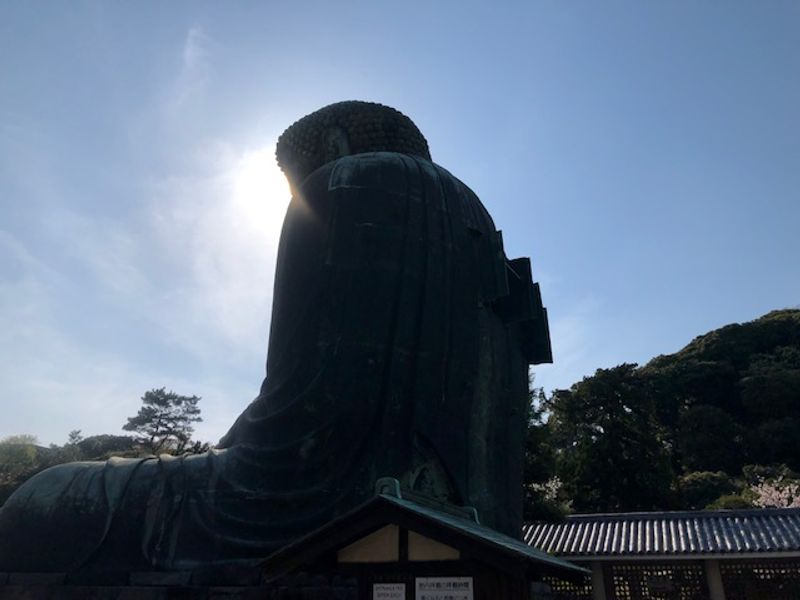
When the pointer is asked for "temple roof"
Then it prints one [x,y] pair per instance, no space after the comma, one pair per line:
[478,542]
[687,534]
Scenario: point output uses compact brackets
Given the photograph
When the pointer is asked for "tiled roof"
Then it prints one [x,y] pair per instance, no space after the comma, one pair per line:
[669,533]
[386,508]
[486,535]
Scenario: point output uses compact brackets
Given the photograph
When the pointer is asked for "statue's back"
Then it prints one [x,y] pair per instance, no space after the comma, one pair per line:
[399,347]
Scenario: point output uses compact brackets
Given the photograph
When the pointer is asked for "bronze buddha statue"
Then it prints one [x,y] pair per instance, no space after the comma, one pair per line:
[400,342]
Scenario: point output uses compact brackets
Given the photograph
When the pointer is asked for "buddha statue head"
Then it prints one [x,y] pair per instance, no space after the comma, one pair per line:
[344,128]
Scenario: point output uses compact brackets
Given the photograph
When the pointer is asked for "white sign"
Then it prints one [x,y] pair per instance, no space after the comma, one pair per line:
[388,591]
[444,588]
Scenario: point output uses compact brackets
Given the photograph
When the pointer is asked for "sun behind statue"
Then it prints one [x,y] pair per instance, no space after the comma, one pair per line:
[399,348]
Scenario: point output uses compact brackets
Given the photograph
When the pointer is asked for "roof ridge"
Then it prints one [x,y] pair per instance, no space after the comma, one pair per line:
[676,514]
[669,533]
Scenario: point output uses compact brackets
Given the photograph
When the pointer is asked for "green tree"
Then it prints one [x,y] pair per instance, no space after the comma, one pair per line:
[19,460]
[611,452]
[754,474]
[709,439]
[700,488]
[770,387]
[70,451]
[730,502]
[775,441]
[633,438]
[104,446]
[18,453]
[542,491]
[164,422]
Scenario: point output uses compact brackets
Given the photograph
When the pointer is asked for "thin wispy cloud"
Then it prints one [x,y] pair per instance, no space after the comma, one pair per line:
[195,53]
[195,69]
[189,266]
[136,253]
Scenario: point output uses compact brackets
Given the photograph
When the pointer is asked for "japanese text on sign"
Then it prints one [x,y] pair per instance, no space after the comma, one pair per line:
[444,588]
[388,591]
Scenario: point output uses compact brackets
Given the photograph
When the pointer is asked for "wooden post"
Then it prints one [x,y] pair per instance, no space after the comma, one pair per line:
[714,580]
[598,582]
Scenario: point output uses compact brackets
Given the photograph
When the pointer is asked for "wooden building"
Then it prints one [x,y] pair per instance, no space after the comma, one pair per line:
[397,548]
[715,555]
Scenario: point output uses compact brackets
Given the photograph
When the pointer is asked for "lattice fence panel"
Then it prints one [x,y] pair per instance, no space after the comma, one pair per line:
[777,579]
[645,581]
[564,590]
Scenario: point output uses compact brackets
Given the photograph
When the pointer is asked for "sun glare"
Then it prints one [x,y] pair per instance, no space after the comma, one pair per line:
[260,190]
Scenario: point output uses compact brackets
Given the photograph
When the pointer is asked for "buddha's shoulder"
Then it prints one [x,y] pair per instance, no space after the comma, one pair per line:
[388,171]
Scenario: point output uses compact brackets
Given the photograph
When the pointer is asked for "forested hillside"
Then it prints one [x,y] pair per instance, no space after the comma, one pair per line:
[715,424]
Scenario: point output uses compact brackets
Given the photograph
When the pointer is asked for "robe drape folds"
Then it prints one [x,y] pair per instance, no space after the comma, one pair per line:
[387,358]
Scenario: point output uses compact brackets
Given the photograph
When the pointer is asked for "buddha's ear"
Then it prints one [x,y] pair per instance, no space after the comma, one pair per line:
[335,143]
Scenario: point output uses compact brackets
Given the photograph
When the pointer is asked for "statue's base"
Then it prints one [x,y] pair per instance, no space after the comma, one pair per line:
[178,585]
[389,547]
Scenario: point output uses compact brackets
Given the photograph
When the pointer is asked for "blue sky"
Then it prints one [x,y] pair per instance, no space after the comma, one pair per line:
[645,155]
